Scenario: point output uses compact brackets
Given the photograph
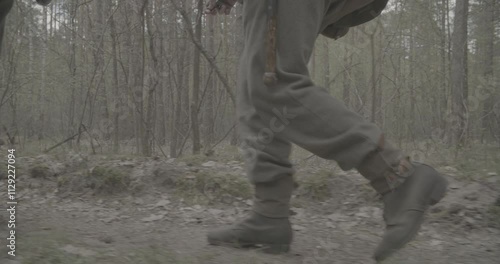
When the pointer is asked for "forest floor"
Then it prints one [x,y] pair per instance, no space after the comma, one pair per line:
[78,209]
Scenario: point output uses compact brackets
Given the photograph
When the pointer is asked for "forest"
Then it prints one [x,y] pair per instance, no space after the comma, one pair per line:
[119,119]
[156,77]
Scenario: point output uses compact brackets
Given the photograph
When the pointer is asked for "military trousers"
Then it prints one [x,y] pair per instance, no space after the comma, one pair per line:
[294,110]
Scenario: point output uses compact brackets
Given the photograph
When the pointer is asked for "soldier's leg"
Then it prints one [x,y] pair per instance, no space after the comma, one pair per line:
[270,172]
[265,147]
[266,155]
[318,122]
[313,119]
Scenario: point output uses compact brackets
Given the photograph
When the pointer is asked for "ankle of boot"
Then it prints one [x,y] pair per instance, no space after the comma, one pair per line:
[272,199]
[274,211]
[386,168]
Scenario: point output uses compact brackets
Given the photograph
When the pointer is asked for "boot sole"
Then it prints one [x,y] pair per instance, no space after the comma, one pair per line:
[275,249]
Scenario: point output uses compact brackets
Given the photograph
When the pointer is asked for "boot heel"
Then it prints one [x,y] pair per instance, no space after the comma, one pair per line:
[439,191]
[275,249]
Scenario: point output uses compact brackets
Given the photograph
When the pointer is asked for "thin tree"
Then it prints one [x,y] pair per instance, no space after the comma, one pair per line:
[459,73]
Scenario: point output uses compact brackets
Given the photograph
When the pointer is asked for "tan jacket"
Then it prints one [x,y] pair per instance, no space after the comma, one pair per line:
[350,13]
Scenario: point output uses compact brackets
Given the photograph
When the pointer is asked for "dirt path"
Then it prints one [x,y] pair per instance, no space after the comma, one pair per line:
[155,227]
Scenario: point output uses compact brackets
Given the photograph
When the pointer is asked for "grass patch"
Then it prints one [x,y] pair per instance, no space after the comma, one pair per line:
[315,186]
[222,153]
[108,180]
[3,169]
[475,163]
[228,152]
[155,255]
[40,171]
[474,157]
[193,160]
[48,248]
[45,248]
[203,188]
[494,216]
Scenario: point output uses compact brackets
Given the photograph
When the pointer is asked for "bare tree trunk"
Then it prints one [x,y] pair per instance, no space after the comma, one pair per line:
[374,81]
[444,53]
[142,118]
[100,77]
[181,87]
[239,50]
[410,123]
[486,46]
[43,81]
[176,82]
[129,70]
[116,90]
[412,80]
[154,78]
[459,73]
[348,71]
[209,113]
[326,63]
[137,60]
[196,83]
[30,128]
[72,69]
[162,108]
[347,76]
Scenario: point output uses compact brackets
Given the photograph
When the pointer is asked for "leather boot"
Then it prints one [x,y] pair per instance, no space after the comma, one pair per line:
[407,190]
[268,226]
